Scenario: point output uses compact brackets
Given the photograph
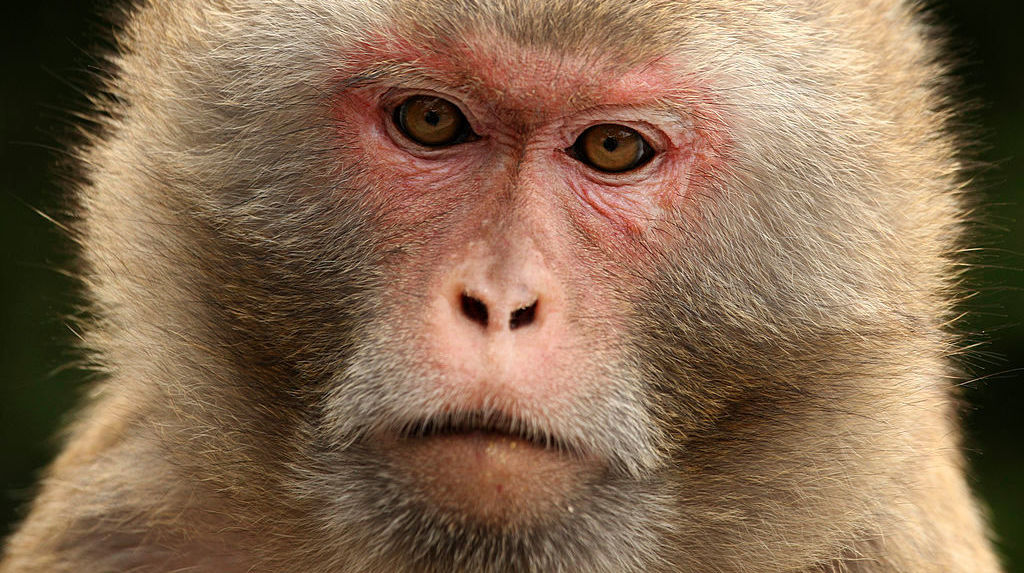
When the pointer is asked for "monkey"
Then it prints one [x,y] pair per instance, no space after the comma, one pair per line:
[517,285]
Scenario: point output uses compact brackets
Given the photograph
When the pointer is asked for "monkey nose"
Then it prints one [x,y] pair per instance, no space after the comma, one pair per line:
[487,312]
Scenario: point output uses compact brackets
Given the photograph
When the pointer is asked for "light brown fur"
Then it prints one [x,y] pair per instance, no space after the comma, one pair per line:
[795,352]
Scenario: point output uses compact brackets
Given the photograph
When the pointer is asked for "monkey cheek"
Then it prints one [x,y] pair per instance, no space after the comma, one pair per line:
[490,478]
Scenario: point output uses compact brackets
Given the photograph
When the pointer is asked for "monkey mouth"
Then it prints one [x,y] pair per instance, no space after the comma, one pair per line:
[488,466]
[487,424]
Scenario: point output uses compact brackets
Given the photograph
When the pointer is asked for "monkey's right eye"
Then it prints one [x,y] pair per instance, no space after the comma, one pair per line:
[432,121]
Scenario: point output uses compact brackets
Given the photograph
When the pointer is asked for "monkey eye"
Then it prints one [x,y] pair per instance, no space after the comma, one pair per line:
[611,148]
[432,121]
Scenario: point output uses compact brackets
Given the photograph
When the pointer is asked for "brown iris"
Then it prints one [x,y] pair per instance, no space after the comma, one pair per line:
[431,121]
[611,148]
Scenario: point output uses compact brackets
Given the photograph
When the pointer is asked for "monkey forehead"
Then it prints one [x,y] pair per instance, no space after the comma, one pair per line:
[512,75]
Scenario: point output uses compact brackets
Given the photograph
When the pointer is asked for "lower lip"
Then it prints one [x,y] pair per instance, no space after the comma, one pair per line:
[490,476]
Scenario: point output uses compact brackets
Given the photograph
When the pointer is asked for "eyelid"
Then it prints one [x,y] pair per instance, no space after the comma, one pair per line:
[654,133]
[393,97]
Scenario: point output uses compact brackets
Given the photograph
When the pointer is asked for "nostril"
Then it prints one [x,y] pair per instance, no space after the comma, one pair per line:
[522,316]
[474,309]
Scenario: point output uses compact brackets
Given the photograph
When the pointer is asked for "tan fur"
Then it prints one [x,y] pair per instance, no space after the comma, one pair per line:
[795,351]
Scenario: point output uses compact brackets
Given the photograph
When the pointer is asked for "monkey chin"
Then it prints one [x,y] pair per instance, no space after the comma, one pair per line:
[492,478]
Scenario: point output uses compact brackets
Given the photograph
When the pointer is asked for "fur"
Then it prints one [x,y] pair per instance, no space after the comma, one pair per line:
[780,399]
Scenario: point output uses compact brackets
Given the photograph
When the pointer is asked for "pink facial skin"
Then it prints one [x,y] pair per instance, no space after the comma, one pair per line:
[512,221]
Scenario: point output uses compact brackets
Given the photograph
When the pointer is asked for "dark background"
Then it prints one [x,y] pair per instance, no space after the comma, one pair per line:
[47,46]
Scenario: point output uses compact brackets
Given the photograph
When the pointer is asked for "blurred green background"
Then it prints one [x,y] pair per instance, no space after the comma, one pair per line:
[47,44]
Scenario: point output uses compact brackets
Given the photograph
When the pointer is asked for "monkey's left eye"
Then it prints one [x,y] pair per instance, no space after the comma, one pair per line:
[611,148]
[432,121]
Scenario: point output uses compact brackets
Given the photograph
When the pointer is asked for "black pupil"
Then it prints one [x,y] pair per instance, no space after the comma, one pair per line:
[610,143]
[432,117]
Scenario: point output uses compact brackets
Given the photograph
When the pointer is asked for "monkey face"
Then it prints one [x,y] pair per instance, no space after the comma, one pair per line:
[495,393]
[471,287]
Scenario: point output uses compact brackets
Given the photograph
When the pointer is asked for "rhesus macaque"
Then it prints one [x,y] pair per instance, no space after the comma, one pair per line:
[517,285]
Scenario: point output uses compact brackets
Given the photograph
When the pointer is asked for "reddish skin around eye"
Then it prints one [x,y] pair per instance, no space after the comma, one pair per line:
[519,101]
[510,219]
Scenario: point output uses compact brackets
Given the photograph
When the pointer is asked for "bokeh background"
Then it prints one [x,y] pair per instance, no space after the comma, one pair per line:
[47,45]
